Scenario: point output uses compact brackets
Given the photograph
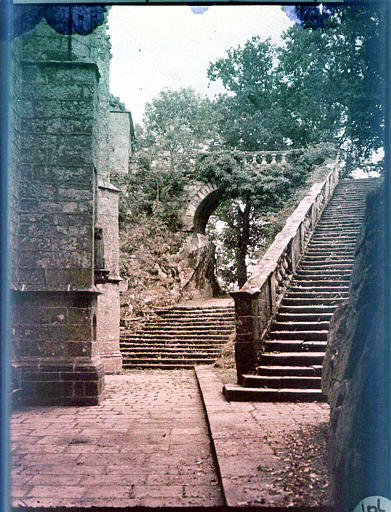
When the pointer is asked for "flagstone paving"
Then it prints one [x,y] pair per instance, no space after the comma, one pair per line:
[148,444]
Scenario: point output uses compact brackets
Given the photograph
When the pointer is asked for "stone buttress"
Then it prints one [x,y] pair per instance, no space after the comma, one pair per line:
[63,219]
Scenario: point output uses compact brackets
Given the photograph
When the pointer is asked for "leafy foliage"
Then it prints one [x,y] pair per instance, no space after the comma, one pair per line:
[326,82]
[335,89]
[249,217]
[177,126]
[249,117]
[178,121]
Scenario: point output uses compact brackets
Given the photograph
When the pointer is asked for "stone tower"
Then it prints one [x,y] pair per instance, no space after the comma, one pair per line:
[64,217]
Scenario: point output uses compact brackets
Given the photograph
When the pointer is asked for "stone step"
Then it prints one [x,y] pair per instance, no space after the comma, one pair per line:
[345,207]
[236,393]
[359,215]
[291,359]
[331,225]
[211,317]
[300,326]
[321,280]
[159,366]
[342,228]
[167,336]
[303,317]
[327,254]
[339,221]
[195,310]
[174,329]
[332,237]
[327,246]
[319,248]
[356,212]
[167,349]
[171,344]
[322,284]
[317,294]
[327,259]
[298,335]
[312,301]
[277,382]
[351,210]
[294,346]
[304,371]
[314,274]
[320,267]
[147,362]
[191,323]
[166,355]
[312,309]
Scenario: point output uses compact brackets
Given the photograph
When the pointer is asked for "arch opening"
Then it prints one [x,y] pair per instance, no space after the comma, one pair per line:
[205,209]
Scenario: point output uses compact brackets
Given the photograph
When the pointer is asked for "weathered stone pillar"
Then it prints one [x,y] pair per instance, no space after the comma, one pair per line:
[248,331]
[54,297]
[108,306]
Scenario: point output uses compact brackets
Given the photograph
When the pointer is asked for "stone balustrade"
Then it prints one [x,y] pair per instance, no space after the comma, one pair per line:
[257,301]
[266,158]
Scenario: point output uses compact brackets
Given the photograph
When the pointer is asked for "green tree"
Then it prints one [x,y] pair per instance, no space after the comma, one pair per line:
[322,84]
[177,126]
[249,116]
[178,122]
[335,89]
[251,193]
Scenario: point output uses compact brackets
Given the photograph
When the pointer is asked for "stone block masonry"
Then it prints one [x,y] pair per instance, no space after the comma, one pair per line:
[56,203]
[55,300]
[120,124]
[108,301]
[65,325]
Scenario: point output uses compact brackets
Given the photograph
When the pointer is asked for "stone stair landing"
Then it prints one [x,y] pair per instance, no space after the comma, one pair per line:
[292,352]
[179,337]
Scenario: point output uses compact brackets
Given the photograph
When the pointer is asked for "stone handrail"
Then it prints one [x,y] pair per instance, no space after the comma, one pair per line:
[257,301]
[267,157]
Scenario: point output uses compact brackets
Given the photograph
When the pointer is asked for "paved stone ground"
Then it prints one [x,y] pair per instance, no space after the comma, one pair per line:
[252,439]
[146,444]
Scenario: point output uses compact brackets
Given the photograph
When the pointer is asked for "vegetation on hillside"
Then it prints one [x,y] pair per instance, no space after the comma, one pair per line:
[320,91]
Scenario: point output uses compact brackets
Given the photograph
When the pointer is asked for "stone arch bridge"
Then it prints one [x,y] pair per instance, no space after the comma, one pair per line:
[204,198]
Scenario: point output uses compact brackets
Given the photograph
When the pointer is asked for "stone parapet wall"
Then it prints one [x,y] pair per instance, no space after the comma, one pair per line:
[257,301]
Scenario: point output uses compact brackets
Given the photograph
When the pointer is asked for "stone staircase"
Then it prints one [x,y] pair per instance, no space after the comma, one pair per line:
[179,337]
[290,364]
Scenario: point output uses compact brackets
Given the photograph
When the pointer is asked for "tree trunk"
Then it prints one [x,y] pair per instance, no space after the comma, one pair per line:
[243,243]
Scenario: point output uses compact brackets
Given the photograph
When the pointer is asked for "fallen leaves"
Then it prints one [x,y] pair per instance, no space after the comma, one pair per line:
[304,479]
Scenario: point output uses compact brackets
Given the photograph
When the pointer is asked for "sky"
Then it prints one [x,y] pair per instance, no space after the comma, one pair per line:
[156,47]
